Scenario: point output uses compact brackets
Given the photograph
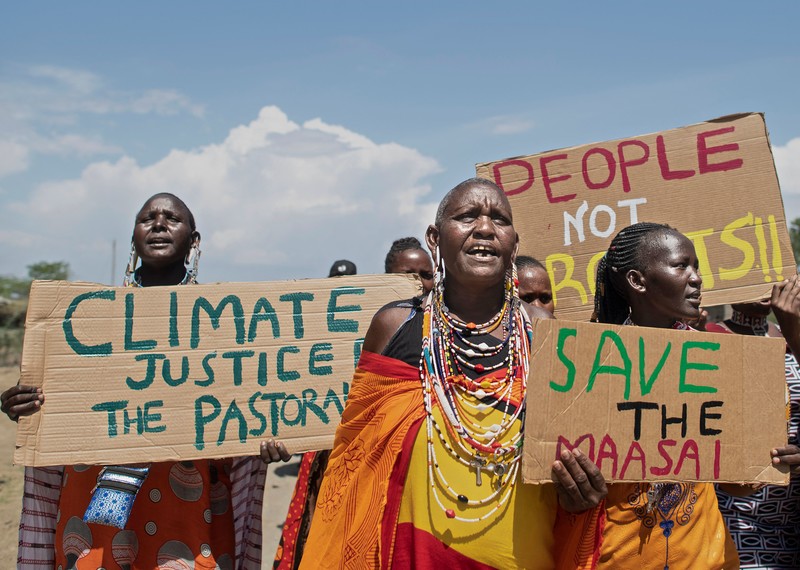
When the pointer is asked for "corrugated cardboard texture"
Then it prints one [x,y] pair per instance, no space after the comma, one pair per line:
[168,373]
[713,181]
[733,399]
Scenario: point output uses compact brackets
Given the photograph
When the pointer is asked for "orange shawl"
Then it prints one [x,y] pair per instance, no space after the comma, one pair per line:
[355,521]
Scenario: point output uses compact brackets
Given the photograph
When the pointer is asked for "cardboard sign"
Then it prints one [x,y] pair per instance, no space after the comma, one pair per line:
[176,373]
[653,404]
[714,182]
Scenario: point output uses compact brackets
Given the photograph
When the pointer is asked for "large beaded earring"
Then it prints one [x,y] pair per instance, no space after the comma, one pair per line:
[438,278]
[130,269]
[512,281]
[192,262]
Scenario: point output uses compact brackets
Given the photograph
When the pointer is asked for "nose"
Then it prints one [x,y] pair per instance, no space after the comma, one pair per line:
[695,278]
[159,222]
[484,226]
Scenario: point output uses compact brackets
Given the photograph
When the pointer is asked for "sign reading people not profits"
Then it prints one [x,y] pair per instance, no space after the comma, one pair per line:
[714,182]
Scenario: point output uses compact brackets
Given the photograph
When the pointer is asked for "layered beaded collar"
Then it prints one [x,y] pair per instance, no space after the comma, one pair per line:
[678,325]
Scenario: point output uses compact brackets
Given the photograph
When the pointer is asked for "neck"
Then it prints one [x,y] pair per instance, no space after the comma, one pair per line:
[648,319]
[474,304]
[161,276]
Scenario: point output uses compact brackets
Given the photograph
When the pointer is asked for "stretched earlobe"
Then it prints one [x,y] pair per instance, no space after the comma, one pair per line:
[636,280]
[432,241]
[130,269]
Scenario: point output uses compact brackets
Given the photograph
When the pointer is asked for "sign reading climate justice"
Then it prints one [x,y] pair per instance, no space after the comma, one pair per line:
[165,373]
[655,404]
[714,182]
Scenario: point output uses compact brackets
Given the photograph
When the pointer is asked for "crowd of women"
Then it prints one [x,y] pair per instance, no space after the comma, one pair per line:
[425,468]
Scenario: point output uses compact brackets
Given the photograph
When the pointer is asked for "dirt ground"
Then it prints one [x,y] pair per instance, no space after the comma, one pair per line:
[278,492]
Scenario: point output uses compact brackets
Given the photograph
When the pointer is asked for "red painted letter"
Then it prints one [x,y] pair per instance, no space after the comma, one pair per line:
[667,469]
[630,457]
[563,442]
[498,177]
[608,450]
[703,151]
[689,445]
[611,164]
[548,181]
[666,173]
[624,164]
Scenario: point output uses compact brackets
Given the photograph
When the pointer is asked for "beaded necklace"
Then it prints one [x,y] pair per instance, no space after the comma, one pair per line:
[495,449]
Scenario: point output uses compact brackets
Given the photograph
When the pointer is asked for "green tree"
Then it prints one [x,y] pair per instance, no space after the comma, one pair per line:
[13,287]
[56,270]
[794,237]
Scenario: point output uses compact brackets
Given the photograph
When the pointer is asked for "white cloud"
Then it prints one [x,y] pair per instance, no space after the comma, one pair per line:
[14,157]
[274,199]
[45,90]
[503,125]
[72,144]
[41,109]
[787,163]
[77,80]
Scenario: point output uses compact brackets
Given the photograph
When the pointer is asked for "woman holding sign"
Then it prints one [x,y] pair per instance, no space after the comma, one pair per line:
[204,514]
[649,277]
[425,466]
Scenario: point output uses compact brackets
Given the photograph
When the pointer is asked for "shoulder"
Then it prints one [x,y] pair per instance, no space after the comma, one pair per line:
[717,328]
[386,322]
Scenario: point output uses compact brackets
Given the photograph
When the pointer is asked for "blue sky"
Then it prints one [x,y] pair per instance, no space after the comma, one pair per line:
[304,132]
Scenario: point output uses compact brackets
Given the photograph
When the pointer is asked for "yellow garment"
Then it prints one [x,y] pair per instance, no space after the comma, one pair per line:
[633,538]
[356,519]
[527,517]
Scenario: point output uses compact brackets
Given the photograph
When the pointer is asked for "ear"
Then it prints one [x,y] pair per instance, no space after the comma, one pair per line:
[432,240]
[195,239]
[636,281]
[516,248]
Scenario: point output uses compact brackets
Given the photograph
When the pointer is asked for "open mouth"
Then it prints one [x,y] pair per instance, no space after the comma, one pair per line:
[159,242]
[482,251]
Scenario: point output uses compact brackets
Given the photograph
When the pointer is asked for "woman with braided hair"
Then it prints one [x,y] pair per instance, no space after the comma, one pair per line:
[649,277]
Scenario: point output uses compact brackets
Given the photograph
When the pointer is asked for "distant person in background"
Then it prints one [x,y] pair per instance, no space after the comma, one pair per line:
[188,514]
[408,256]
[342,267]
[765,526]
[534,283]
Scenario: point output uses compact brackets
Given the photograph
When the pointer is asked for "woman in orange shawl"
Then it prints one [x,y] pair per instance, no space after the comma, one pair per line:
[424,472]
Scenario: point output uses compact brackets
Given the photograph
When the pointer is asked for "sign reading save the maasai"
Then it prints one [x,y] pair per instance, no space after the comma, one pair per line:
[165,373]
[655,404]
[714,182]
